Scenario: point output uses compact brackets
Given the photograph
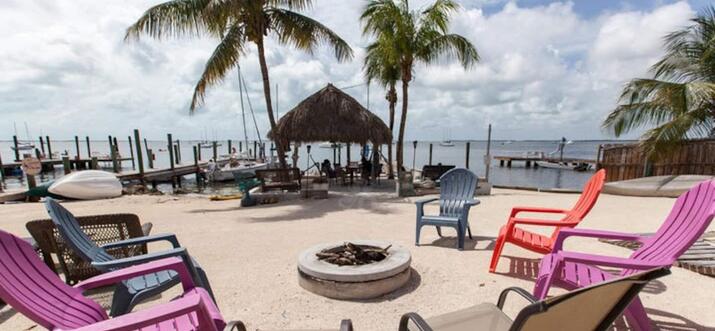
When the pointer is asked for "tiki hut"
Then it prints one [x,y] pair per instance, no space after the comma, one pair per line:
[331,115]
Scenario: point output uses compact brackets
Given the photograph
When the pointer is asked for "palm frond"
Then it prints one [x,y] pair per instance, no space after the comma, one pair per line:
[306,33]
[452,45]
[170,19]
[223,59]
[437,15]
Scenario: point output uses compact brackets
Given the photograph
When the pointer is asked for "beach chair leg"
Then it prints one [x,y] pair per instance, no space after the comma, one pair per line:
[439,231]
[469,231]
[417,233]
[460,238]
[637,317]
[498,246]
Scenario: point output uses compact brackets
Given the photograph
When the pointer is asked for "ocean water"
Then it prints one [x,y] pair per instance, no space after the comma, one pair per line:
[517,175]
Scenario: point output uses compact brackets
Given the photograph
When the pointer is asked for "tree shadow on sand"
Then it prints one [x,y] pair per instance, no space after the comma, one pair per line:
[310,209]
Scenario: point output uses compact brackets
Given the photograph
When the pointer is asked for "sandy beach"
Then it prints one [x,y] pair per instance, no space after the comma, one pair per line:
[250,255]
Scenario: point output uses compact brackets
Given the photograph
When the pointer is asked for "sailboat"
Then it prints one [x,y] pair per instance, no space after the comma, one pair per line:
[206,144]
[23,146]
[560,163]
[446,142]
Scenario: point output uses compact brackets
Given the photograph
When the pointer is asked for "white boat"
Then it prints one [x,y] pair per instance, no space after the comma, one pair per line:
[564,165]
[329,145]
[226,173]
[24,146]
[446,143]
[87,185]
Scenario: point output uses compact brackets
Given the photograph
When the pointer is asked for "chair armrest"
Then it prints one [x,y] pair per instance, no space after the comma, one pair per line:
[139,259]
[346,325]
[156,314]
[610,261]
[565,233]
[171,238]
[235,326]
[531,221]
[113,277]
[422,202]
[517,210]
[416,319]
[472,202]
[520,291]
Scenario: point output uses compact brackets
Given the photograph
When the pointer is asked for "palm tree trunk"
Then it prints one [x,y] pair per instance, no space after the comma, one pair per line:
[392,98]
[401,135]
[269,104]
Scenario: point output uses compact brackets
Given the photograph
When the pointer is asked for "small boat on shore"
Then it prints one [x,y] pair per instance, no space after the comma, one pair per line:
[446,143]
[564,165]
[227,173]
[87,185]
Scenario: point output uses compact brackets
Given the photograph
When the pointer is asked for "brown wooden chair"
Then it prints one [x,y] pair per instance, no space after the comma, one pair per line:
[103,229]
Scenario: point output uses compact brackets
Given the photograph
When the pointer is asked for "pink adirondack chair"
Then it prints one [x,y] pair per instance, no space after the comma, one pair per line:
[691,215]
[31,288]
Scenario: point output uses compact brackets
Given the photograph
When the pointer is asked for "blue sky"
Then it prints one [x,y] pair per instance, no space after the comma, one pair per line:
[548,69]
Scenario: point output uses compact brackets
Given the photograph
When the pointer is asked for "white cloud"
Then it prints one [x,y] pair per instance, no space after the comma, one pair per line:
[546,71]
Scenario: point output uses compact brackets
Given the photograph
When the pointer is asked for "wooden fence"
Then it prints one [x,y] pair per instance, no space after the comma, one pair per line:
[694,157]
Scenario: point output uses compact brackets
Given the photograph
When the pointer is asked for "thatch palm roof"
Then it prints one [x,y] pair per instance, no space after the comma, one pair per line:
[331,115]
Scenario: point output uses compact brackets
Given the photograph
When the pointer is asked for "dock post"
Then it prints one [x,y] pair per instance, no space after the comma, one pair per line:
[215,146]
[196,164]
[467,156]
[229,147]
[31,182]
[178,151]
[170,147]
[528,163]
[17,151]
[49,147]
[42,145]
[115,164]
[150,156]
[430,154]
[94,163]
[116,146]
[340,153]
[198,148]
[140,161]
[501,163]
[111,146]
[37,153]
[66,164]
[255,149]
[89,149]
[2,173]
[347,154]
[240,146]
[508,163]
[131,151]
[488,157]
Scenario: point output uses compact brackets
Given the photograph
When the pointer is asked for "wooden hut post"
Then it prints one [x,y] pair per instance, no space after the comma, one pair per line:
[131,151]
[375,162]
[347,154]
[140,161]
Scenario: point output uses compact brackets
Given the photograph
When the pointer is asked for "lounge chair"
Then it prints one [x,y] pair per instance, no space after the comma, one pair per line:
[689,218]
[605,302]
[129,292]
[103,229]
[455,199]
[511,233]
[31,288]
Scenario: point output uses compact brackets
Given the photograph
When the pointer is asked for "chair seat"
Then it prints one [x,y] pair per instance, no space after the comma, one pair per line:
[574,275]
[529,240]
[483,317]
[153,280]
[439,218]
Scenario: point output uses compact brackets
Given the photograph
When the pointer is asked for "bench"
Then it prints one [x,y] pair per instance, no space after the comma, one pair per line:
[434,172]
[279,179]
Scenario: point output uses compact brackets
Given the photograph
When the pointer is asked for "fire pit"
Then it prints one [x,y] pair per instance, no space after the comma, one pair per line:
[360,269]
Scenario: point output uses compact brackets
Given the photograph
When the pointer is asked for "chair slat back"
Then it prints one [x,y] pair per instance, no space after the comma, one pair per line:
[605,301]
[32,289]
[591,191]
[688,219]
[68,226]
[456,187]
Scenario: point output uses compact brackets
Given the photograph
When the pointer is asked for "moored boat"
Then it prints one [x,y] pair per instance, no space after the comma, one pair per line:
[226,173]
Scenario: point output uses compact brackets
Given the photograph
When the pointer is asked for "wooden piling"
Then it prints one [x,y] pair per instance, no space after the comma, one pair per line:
[255,149]
[49,147]
[42,145]
[170,147]
[347,154]
[116,146]
[2,173]
[66,164]
[131,151]
[215,147]
[196,164]
[16,149]
[37,153]
[89,149]
[240,146]
[115,164]
[178,151]
[488,157]
[229,147]
[31,183]
[150,157]
[94,163]
[140,161]
[430,154]
[198,148]
[467,155]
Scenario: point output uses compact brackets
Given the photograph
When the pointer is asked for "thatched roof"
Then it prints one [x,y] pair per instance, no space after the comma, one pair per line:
[331,115]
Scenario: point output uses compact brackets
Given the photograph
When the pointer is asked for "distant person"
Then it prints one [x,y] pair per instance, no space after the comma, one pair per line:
[327,169]
[366,169]
[233,158]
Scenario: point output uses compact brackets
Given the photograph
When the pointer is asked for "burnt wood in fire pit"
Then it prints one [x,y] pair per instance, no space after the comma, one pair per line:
[352,254]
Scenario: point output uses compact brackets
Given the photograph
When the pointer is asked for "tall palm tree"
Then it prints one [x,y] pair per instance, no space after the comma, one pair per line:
[680,98]
[413,37]
[381,66]
[236,23]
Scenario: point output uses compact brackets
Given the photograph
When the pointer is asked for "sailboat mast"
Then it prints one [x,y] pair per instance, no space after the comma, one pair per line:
[243,110]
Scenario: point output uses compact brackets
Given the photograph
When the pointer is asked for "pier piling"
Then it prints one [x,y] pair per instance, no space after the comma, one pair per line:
[131,151]
[89,149]
[49,147]
[178,151]
[196,164]
[150,157]
[66,164]
[94,163]
[430,154]
[42,145]
[76,146]
[467,155]
[215,147]
[488,157]
[170,147]
[16,149]
[137,140]
[229,147]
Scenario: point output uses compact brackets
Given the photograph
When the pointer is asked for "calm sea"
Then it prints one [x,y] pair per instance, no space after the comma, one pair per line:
[518,175]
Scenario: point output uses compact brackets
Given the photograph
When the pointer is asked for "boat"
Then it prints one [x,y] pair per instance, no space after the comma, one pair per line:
[87,185]
[446,143]
[209,144]
[227,172]
[329,145]
[554,164]
[23,146]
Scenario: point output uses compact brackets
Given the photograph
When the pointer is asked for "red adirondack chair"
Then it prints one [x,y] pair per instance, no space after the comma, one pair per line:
[690,217]
[539,243]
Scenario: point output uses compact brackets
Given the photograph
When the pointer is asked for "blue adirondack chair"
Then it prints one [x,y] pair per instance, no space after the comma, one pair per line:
[128,293]
[456,197]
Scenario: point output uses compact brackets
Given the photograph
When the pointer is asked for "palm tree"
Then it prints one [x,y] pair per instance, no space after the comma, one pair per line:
[236,23]
[680,98]
[411,37]
[381,66]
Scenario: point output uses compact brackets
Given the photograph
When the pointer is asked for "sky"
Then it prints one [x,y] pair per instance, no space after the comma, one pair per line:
[548,69]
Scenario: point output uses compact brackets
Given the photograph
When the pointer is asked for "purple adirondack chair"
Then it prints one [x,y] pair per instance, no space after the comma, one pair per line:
[689,218]
[31,288]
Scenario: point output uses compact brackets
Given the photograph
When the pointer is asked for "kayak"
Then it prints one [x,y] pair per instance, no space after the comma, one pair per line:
[87,185]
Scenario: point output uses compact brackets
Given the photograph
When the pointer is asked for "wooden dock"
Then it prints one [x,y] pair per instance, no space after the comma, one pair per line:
[532,160]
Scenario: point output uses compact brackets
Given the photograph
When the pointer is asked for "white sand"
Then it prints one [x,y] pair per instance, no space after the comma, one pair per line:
[250,255]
